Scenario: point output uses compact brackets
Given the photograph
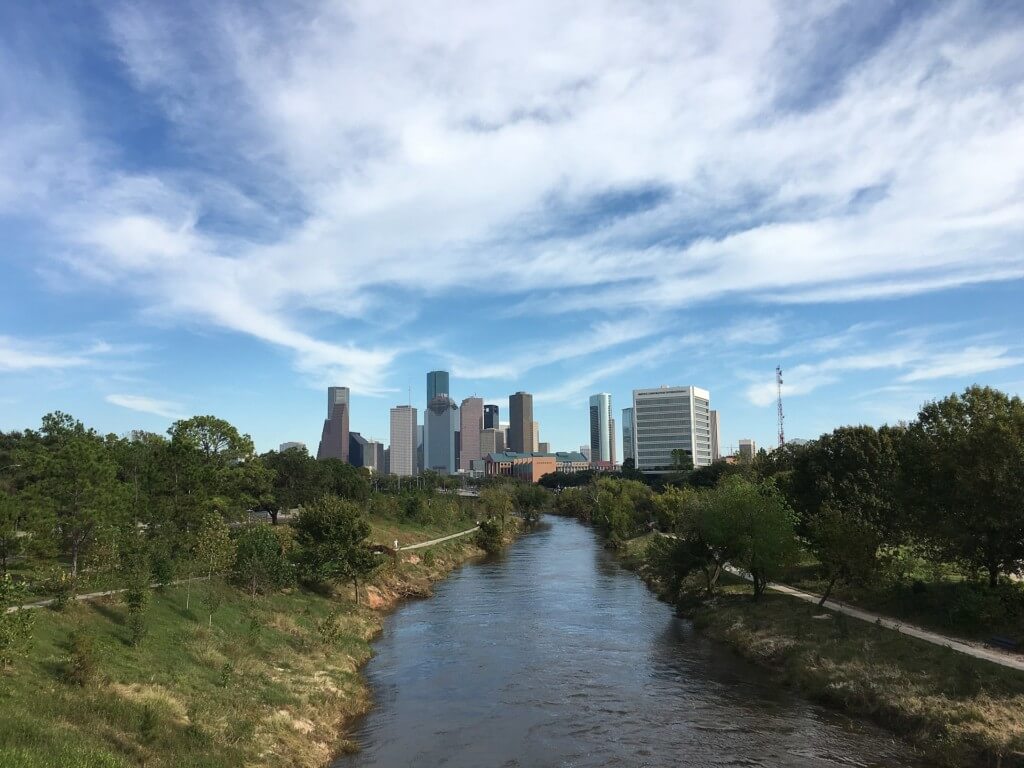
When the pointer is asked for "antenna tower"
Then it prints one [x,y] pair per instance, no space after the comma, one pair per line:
[778,389]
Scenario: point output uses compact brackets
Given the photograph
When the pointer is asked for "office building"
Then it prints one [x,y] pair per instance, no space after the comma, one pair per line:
[491,420]
[357,445]
[471,425]
[544,448]
[716,437]
[532,466]
[600,414]
[611,439]
[535,437]
[748,449]
[437,384]
[439,421]
[585,451]
[628,451]
[492,441]
[520,429]
[403,441]
[334,438]
[289,446]
[668,419]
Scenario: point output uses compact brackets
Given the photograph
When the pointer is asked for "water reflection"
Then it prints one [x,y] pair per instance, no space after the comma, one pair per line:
[553,655]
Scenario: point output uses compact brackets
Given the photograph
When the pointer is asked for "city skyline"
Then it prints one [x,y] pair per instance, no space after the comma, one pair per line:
[191,234]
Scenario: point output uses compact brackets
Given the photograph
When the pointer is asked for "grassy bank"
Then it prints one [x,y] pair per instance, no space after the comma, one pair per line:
[957,710]
[271,683]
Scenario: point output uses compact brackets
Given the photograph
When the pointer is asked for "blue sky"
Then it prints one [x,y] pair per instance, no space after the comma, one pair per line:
[225,207]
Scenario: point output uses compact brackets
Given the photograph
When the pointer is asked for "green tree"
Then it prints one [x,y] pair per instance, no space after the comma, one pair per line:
[298,478]
[330,535]
[260,560]
[765,524]
[12,529]
[530,499]
[623,507]
[215,553]
[15,626]
[965,470]
[76,484]
[575,502]
[342,479]
[845,545]
[497,501]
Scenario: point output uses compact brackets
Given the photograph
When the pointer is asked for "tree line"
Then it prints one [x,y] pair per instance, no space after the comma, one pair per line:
[949,486]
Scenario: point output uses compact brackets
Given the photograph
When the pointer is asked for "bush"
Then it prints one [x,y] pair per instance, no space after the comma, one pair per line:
[61,585]
[15,627]
[491,536]
[81,666]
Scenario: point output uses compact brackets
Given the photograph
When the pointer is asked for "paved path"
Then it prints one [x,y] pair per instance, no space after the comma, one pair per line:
[95,595]
[977,650]
[438,541]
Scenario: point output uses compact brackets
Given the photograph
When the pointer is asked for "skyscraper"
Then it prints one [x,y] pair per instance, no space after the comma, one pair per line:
[403,441]
[601,436]
[439,422]
[492,441]
[334,438]
[627,435]
[668,419]
[611,439]
[535,436]
[520,430]
[748,449]
[491,417]
[716,437]
[437,384]
[471,424]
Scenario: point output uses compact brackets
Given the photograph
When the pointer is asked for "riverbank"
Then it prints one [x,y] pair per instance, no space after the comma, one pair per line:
[955,709]
[272,682]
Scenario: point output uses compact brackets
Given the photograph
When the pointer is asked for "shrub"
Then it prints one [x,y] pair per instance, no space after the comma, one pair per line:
[491,536]
[15,627]
[81,666]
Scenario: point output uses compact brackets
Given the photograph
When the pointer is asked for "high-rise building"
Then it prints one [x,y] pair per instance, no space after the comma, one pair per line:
[748,449]
[492,441]
[439,422]
[357,453]
[334,438]
[535,436]
[716,437]
[601,435]
[471,424]
[627,435]
[520,430]
[403,441]
[544,447]
[611,438]
[288,446]
[437,384]
[585,451]
[667,419]
[491,420]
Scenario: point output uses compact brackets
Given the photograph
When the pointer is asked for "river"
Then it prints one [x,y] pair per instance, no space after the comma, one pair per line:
[554,655]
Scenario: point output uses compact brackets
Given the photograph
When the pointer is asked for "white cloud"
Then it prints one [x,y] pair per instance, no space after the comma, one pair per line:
[25,355]
[164,408]
[348,154]
[966,362]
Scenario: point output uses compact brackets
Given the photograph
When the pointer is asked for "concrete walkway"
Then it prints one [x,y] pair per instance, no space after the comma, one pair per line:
[95,595]
[977,650]
[438,541]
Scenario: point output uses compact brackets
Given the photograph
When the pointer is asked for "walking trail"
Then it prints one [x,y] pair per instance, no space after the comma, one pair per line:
[977,650]
[109,592]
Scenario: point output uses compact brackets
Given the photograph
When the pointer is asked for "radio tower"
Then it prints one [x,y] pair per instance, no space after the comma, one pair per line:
[778,388]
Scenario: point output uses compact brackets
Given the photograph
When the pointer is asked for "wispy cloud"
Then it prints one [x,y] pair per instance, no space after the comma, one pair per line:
[163,408]
[27,355]
[966,362]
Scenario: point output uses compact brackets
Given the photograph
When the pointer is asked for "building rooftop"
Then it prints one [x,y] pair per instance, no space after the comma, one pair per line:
[560,456]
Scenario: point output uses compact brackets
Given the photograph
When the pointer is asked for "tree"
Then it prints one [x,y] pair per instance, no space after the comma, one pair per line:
[529,500]
[765,524]
[965,472]
[214,551]
[497,501]
[845,545]
[135,572]
[673,506]
[622,507]
[76,484]
[298,478]
[344,480]
[12,533]
[15,626]
[330,535]
[575,502]
[260,561]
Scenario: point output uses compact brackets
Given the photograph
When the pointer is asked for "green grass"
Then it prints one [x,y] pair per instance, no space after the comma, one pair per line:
[191,696]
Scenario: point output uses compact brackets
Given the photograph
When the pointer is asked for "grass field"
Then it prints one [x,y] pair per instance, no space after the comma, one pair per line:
[271,683]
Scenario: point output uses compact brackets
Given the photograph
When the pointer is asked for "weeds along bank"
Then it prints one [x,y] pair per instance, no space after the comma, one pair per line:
[271,682]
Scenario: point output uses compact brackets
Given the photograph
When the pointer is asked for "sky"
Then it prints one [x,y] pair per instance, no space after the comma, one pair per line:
[225,207]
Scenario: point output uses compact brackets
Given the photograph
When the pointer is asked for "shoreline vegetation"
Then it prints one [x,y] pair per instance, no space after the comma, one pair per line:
[920,522]
[255,659]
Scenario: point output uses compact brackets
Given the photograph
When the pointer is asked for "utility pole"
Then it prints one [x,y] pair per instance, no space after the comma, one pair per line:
[778,387]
